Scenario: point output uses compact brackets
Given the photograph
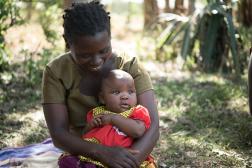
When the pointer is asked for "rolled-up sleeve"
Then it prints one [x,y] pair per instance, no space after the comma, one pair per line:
[53,90]
[140,75]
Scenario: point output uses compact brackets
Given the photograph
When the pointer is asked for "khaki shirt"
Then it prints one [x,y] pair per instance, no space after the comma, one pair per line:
[61,80]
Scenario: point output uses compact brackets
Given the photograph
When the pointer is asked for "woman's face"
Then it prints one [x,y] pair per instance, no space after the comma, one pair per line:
[91,52]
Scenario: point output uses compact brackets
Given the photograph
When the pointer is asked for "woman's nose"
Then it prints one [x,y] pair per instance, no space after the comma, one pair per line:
[96,60]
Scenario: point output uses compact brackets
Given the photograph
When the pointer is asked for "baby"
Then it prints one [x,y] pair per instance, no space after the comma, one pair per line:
[120,120]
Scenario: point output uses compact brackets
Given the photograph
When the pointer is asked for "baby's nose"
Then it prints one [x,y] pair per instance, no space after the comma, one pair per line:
[124,96]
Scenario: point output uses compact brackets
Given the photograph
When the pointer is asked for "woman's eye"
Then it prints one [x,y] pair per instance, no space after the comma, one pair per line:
[83,56]
[105,50]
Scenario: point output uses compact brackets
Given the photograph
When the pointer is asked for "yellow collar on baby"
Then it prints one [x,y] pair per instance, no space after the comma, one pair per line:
[101,110]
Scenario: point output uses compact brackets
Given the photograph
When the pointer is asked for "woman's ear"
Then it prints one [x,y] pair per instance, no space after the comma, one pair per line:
[101,99]
[66,43]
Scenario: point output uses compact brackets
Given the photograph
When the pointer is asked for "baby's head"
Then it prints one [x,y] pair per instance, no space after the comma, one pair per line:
[118,92]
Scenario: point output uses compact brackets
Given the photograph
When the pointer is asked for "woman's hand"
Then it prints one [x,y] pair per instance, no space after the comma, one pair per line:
[117,157]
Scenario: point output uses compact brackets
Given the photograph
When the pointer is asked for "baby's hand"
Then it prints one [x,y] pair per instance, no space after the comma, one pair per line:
[106,119]
[96,122]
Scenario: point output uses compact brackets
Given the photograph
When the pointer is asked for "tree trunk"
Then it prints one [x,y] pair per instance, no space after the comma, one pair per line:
[191,7]
[67,3]
[167,8]
[150,12]
[179,7]
[245,14]
[29,10]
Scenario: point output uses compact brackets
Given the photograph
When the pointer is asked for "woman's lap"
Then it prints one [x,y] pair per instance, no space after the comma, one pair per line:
[70,161]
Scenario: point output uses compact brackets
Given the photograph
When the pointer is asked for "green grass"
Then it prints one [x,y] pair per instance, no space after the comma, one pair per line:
[204,122]
[21,117]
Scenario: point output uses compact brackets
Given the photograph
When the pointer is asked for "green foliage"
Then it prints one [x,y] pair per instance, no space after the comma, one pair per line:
[48,14]
[23,79]
[18,76]
[50,20]
[33,69]
[20,81]
[213,28]
[3,58]
[9,16]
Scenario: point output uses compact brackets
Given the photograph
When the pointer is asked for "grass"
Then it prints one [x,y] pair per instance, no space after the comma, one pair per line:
[21,117]
[204,122]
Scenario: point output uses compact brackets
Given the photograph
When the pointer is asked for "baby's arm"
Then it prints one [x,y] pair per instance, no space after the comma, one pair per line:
[131,127]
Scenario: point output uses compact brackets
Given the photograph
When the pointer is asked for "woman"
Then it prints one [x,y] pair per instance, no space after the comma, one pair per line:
[71,83]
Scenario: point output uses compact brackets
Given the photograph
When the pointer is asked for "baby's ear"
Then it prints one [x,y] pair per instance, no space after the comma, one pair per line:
[101,99]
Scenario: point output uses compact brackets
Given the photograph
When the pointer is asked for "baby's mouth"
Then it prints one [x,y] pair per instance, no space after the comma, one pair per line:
[125,106]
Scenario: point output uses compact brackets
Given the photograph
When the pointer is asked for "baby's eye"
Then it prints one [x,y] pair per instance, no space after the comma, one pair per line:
[115,92]
[131,91]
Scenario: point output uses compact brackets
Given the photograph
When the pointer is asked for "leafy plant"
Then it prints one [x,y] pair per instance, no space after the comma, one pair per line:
[49,21]
[212,28]
[33,69]
[9,16]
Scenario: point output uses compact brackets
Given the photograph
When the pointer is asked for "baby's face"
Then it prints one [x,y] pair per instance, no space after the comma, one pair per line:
[119,95]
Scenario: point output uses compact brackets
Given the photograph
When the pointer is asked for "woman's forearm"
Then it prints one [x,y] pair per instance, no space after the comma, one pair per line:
[75,145]
[62,138]
[146,143]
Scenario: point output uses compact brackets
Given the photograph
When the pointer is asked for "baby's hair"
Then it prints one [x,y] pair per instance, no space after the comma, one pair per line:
[116,73]
[85,19]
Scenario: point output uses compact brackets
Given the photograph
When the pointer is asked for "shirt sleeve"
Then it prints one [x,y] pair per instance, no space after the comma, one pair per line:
[53,90]
[141,113]
[140,75]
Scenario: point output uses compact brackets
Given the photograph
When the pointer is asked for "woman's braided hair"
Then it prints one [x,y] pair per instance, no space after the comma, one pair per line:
[85,19]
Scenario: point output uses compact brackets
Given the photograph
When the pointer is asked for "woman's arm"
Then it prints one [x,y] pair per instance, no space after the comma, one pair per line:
[147,142]
[57,120]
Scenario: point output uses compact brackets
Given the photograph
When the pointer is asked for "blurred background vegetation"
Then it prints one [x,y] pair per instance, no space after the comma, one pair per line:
[210,35]
[197,52]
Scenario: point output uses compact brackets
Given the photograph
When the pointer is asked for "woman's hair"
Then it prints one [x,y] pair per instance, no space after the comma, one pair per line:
[85,19]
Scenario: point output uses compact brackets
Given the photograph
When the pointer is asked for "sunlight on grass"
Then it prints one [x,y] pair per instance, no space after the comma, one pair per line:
[24,128]
[210,78]
[204,122]
[194,148]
